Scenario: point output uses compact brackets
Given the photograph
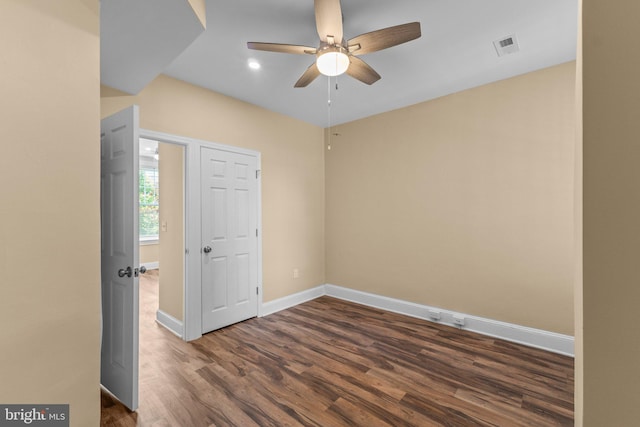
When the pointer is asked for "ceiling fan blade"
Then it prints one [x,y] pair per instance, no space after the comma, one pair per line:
[308,76]
[358,69]
[329,19]
[282,48]
[384,38]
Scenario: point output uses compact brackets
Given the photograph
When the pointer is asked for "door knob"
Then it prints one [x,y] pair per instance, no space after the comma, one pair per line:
[125,272]
[142,269]
[206,249]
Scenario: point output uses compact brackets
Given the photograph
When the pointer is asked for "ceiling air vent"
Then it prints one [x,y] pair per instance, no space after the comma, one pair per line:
[506,45]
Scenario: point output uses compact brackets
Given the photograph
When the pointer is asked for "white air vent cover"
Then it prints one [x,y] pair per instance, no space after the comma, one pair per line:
[507,45]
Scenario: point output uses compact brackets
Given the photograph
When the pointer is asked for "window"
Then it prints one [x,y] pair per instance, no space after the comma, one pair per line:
[149,202]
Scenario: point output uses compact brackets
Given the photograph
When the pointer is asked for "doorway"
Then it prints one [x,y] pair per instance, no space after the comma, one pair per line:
[162,229]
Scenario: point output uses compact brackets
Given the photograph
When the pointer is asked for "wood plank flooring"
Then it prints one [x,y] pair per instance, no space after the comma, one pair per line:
[333,363]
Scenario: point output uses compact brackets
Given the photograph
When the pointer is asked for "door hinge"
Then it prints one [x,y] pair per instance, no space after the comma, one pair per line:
[256,232]
[257,290]
[257,173]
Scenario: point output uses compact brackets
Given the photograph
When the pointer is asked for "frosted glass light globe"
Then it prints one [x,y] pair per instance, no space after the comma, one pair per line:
[333,62]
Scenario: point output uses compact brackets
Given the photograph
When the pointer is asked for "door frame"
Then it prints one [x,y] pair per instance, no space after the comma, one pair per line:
[192,310]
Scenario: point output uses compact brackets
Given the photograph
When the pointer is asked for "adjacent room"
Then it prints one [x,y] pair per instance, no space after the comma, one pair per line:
[161,225]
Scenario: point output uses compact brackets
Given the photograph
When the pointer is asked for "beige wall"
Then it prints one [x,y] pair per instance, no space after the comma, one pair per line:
[464,202]
[149,253]
[611,230]
[292,169]
[200,9]
[50,205]
[171,170]
[578,300]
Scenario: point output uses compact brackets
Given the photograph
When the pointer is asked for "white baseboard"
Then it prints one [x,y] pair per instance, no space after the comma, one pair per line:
[151,265]
[291,300]
[169,322]
[545,340]
[550,341]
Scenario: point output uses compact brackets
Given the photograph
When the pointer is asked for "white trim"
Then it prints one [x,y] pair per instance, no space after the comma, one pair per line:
[259,225]
[291,300]
[154,265]
[550,341]
[193,288]
[146,241]
[185,140]
[169,322]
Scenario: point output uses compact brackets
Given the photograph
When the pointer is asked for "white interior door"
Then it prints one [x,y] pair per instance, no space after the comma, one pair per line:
[119,208]
[229,238]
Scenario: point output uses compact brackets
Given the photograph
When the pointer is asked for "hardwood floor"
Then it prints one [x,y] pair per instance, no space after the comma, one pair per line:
[333,363]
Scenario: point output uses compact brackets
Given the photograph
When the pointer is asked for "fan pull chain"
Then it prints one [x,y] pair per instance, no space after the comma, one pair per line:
[329,111]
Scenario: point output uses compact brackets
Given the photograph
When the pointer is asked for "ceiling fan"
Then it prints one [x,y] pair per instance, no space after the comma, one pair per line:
[335,55]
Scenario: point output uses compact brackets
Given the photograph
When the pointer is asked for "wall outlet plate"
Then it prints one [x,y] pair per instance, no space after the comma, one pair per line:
[458,320]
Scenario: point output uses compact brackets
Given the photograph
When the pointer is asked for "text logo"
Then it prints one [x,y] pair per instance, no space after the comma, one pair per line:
[34,415]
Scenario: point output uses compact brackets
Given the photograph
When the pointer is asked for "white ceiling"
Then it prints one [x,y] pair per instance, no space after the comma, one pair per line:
[455,51]
[138,39]
[147,147]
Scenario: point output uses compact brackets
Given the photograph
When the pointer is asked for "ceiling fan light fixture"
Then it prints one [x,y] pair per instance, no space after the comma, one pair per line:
[332,61]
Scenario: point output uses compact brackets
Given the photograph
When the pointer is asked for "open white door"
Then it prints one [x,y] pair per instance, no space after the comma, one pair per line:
[119,206]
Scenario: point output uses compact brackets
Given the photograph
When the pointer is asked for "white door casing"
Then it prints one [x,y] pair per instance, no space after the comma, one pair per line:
[229,248]
[119,218]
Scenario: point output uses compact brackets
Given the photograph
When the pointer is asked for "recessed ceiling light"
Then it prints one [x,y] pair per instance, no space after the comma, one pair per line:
[254,65]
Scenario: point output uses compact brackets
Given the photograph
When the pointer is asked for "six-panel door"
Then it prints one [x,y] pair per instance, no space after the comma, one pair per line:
[229,238]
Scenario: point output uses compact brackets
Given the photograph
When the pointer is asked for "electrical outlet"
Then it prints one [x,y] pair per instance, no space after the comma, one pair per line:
[296,273]
[458,320]
[435,315]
